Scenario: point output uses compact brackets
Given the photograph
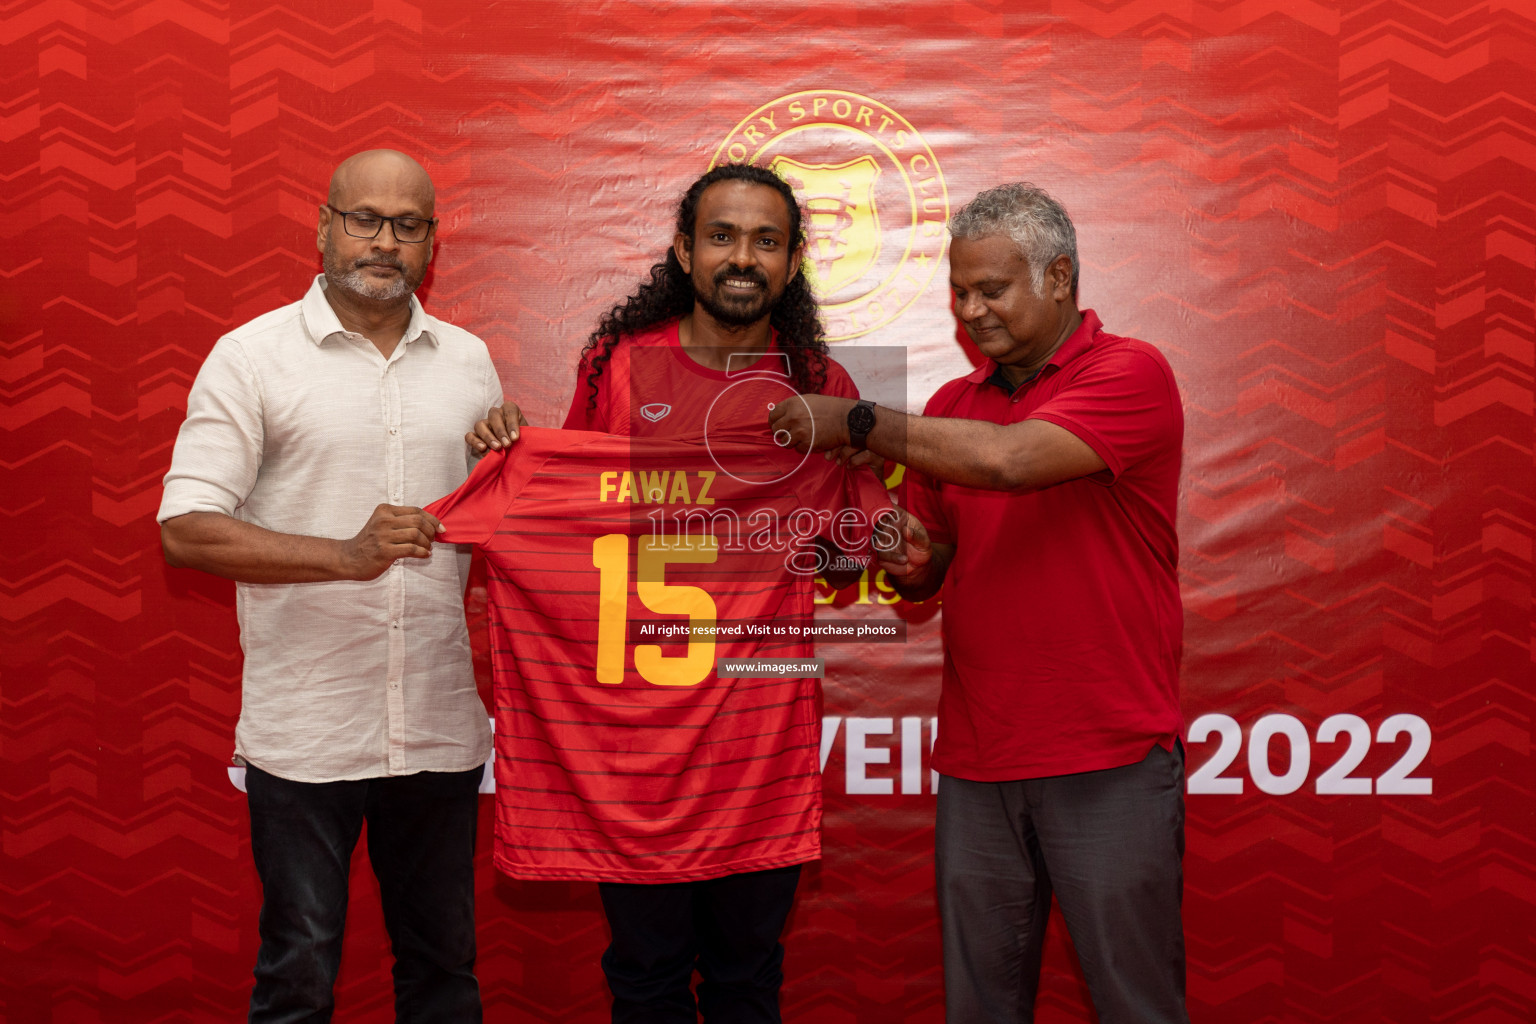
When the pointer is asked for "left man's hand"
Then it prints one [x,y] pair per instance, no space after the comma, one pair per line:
[813,423]
[391,532]
[498,430]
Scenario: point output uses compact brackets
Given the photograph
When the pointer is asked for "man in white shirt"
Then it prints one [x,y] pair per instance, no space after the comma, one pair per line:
[348,408]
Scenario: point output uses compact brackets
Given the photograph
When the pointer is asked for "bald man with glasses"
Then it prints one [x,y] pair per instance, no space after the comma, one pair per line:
[313,435]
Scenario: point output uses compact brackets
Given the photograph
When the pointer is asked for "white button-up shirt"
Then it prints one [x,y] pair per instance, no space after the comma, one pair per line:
[299,426]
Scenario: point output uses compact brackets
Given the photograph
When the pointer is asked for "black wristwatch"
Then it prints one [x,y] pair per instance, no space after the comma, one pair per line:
[861,420]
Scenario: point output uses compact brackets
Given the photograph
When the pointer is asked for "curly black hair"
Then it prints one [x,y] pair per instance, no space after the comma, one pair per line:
[668,293]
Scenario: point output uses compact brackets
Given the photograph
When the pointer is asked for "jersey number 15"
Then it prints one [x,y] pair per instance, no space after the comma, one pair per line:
[610,556]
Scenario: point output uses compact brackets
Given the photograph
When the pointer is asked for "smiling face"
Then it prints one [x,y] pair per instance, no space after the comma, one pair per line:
[995,298]
[739,258]
[380,269]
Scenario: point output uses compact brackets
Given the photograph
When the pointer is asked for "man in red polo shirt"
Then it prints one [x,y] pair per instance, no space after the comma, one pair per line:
[1048,484]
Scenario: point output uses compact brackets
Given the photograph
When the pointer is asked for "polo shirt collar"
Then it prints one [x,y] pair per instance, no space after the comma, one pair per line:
[321,322]
[1078,342]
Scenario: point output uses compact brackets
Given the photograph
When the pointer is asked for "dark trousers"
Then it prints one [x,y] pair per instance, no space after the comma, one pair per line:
[421,840]
[1109,844]
[728,928]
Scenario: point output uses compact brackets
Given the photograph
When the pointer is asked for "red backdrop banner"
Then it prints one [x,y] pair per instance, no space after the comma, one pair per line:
[1321,212]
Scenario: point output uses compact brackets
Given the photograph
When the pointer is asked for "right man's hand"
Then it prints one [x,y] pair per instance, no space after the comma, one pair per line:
[910,554]
[498,430]
[393,531]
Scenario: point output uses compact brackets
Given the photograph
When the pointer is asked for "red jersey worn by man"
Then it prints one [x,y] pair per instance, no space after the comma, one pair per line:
[662,391]
[723,329]
[1078,670]
[621,754]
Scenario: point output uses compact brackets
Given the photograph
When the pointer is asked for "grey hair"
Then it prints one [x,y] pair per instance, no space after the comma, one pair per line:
[1028,215]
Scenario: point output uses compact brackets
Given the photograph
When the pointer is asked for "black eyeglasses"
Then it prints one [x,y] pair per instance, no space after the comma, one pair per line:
[362,224]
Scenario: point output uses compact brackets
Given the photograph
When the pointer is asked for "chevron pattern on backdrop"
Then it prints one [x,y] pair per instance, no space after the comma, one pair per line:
[1323,212]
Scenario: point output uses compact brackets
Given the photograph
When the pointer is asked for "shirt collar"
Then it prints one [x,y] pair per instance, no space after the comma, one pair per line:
[1078,342]
[321,322]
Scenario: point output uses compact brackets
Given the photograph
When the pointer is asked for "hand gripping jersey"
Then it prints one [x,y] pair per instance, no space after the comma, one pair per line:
[620,571]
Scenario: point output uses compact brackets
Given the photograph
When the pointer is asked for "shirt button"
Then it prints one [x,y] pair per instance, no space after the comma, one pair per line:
[394,686]
[394,430]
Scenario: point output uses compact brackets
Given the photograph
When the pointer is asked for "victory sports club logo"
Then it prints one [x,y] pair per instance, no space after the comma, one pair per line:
[875,201]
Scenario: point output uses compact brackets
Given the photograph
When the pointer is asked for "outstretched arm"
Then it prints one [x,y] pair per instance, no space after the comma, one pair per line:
[1026,456]
[225,546]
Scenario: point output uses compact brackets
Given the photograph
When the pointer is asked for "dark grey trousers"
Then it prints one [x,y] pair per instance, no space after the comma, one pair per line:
[1110,844]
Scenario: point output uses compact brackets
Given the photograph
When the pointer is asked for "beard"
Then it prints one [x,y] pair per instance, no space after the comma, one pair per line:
[737,310]
[354,279]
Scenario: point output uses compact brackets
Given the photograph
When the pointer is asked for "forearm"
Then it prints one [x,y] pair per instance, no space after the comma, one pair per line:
[972,453]
[1024,456]
[225,546]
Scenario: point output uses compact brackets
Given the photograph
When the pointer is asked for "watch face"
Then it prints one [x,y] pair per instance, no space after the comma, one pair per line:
[861,419]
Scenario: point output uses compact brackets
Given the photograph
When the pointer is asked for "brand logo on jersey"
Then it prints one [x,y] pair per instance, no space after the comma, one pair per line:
[655,411]
[874,198]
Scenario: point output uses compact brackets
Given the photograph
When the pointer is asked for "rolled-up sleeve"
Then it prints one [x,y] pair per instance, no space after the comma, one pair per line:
[218,450]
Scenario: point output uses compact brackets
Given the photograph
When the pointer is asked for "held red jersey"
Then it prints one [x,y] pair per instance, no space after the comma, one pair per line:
[621,571]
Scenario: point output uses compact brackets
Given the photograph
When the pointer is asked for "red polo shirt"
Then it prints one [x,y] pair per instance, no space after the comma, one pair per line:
[1062,621]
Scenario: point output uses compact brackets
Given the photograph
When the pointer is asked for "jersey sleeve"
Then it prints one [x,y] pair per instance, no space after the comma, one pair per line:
[856,504]
[1125,407]
[472,514]
[865,491]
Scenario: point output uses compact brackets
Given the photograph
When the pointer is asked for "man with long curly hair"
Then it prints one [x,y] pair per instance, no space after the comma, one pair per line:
[729,287]
[728,290]
[724,324]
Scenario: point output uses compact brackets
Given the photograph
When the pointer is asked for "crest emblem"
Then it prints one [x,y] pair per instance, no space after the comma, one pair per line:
[656,411]
[875,201]
[842,231]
